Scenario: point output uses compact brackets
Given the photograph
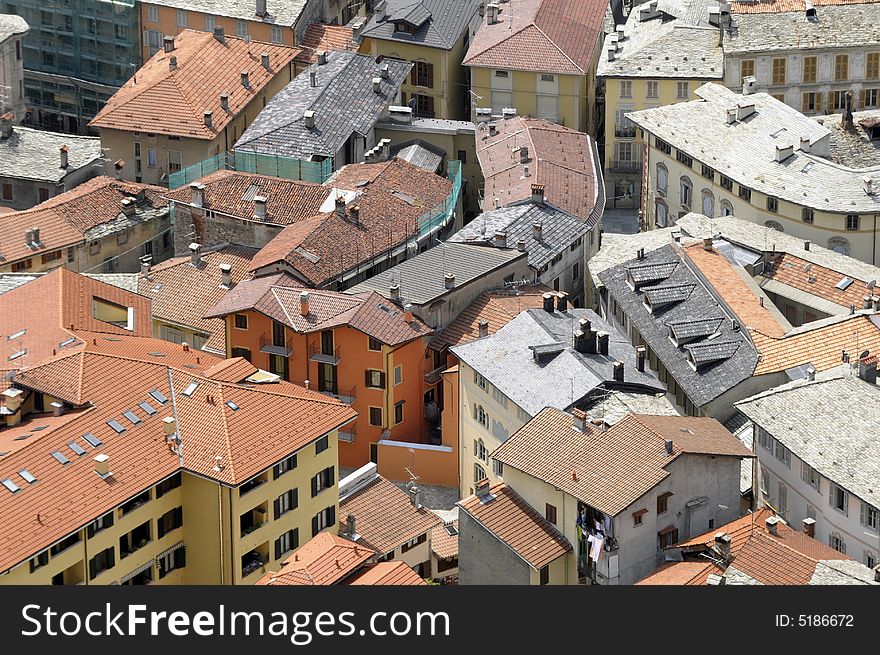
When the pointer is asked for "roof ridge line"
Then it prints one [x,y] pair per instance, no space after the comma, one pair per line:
[226,440]
[562,52]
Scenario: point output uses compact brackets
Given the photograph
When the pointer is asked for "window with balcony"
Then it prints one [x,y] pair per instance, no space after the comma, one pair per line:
[134,503]
[323,480]
[168,485]
[252,484]
[101,562]
[169,521]
[253,519]
[284,466]
[99,524]
[135,540]
[254,560]
[172,561]
[286,542]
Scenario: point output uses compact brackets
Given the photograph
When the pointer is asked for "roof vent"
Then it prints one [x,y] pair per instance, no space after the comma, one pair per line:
[209,121]
[264,59]
[220,34]
[102,466]
[246,79]
[168,43]
[309,119]
[225,275]
[449,281]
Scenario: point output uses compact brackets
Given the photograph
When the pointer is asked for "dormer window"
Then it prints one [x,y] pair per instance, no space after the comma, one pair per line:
[401,26]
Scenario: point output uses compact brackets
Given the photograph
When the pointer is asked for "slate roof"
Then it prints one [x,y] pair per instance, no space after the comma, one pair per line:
[505,514]
[439,23]
[564,160]
[561,380]
[10,24]
[611,469]
[825,424]
[745,151]
[772,6]
[343,102]
[715,377]
[420,153]
[554,36]
[29,154]
[280,12]
[421,278]
[159,99]
[559,230]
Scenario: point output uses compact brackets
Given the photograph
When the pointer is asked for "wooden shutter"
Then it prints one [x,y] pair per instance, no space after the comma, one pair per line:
[180,558]
[90,530]
[382,379]
[330,476]
[93,568]
[314,524]
[294,538]
[277,508]
[430,106]
[277,546]
[294,498]
[315,486]
[331,515]
[861,101]
[367,379]
[430,68]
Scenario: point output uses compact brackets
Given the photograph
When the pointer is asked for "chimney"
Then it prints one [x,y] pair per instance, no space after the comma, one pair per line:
[805,144]
[146,264]
[197,194]
[36,236]
[415,496]
[118,165]
[579,423]
[245,79]
[102,465]
[219,34]
[783,152]
[340,206]
[260,207]
[748,87]
[538,193]
[548,302]
[521,245]
[492,13]
[868,185]
[57,408]
[449,281]
[261,8]
[225,275]
[667,443]
[483,328]
[806,245]
[355,214]
[384,71]
[129,207]
[868,369]
[707,244]
[349,526]
[640,253]
[731,116]
[876,568]
[868,302]
[6,125]
[602,342]
[195,254]
[377,84]
[493,129]
[394,292]
[408,313]
[811,374]
[172,64]
[538,232]
[209,122]
[264,59]
[501,239]
[523,155]
[617,371]
[482,8]
[304,303]
[313,78]
[64,151]
[771,525]
[168,43]
[722,545]
[169,426]
[810,527]
[185,347]
[744,110]
[482,487]
[562,301]
[29,242]
[526,171]
[641,351]
[322,57]
[309,119]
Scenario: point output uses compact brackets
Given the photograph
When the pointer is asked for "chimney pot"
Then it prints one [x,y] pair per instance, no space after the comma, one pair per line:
[641,352]
[168,43]
[245,79]
[304,303]
[521,245]
[195,254]
[771,524]
[414,497]
[224,101]
[667,443]
[395,291]
[260,207]
[64,151]
[806,245]
[264,59]
[483,329]
[449,281]
[810,527]
[602,341]
[225,275]
[548,302]
[146,264]
[408,313]
[209,123]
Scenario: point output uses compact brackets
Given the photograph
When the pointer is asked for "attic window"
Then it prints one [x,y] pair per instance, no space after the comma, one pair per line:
[60,457]
[92,439]
[451,530]
[76,448]
[116,425]
[231,405]
[158,396]
[401,26]
[27,476]
[190,389]
[9,484]
[131,416]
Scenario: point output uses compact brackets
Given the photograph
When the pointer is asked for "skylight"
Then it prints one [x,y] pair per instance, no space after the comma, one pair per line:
[27,476]
[158,396]
[17,335]
[66,342]
[116,425]
[61,458]
[76,448]
[9,484]
[843,284]
[231,405]
[22,437]
[131,416]
[147,407]
[16,355]
[92,439]
[190,389]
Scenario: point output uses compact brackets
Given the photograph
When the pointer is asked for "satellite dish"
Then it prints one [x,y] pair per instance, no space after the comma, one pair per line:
[379,59]
[864,354]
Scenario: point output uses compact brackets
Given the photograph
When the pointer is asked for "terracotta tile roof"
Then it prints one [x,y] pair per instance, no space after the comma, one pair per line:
[512,520]
[182,293]
[326,559]
[16,438]
[235,369]
[778,6]
[561,159]
[328,38]
[540,35]
[814,279]
[610,470]
[388,573]
[681,573]
[498,308]
[165,101]
[734,291]
[820,343]
[231,192]
[278,298]
[392,196]
[384,517]
[740,530]
[443,544]
[65,219]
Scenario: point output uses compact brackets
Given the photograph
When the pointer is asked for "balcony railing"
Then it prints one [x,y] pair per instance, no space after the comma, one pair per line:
[348,397]
[268,345]
[626,166]
[252,565]
[625,130]
[440,215]
[432,411]
[317,354]
[432,377]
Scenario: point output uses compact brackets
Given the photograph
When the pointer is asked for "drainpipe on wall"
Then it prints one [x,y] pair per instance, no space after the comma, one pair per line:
[220,525]
[389,380]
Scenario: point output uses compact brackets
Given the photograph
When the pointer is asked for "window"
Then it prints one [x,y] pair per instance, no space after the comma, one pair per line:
[286,502]
[870,560]
[152,13]
[668,537]
[7,191]
[838,99]
[423,74]
[782,453]
[276,35]
[152,158]
[638,517]
[424,105]
[852,222]
[779,71]
[40,560]
[726,183]
[807,215]
[841,68]
[398,375]
[374,379]
[480,450]
[626,89]
[663,502]
[772,204]
[808,103]
[550,513]
[398,412]
[547,107]
[746,68]
[810,475]
[837,542]
[462,156]
[810,65]
[174,160]
[323,480]
[241,322]
[545,574]
[479,380]
[745,193]
[134,503]
[286,542]
[326,518]
[872,66]
[652,90]
[765,482]
[662,179]
[210,23]
[839,244]
[782,499]
[707,172]
[322,444]
[71,254]
[244,353]
[170,520]
[168,485]
[374,345]
[481,416]
[686,191]
[839,499]
[182,19]
[99,524]
[497,468]
[241,28]
[101,562]
[685,159]
[376,416]
[870,517]
[21,266]
[284,466]
[501,74]
[625,150]
[172,561]
[479,473]
[661,213]
[575,272]
[682,90]
[870,97]
[412,543]
[708,203]
[662,146]
[56,255]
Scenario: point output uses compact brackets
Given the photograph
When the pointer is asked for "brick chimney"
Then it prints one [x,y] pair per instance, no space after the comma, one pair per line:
[810,527]
[408,313]
[868,369]
[340,206]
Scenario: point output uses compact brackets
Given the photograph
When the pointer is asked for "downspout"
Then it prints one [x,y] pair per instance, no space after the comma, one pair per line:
[231,541]
[220,525]
[389,380]
[874,244]
[86,555]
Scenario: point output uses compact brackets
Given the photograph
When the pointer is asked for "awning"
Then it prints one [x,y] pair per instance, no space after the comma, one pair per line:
[137,571]
[168,551]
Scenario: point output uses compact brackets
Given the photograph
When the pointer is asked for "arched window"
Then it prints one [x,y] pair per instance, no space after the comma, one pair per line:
[480,450]
[708,203]
[839,244]
[662,179]
[726,208]
[481,416]
[479,473]
[774,225]
[686,190]
[660,213]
